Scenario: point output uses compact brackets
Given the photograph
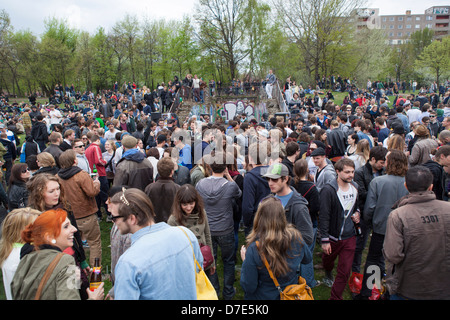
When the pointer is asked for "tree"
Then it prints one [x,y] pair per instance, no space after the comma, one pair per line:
[436,58]
[126,36]
[222,30]
[56,53]
[316,26]
[421,39]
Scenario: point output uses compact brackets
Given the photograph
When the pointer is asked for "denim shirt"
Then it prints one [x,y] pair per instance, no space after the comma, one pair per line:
[159,265]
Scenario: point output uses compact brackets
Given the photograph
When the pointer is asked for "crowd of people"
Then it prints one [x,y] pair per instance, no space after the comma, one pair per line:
[344,177]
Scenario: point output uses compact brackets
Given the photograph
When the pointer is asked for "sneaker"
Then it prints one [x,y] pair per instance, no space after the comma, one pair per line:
[328,282]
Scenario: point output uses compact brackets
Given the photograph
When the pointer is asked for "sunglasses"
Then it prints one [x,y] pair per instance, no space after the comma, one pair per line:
[272,179]
[25,170]
[80,146]
[114,218]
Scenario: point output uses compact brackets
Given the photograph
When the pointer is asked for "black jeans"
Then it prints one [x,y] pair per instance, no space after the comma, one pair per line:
[102,196]
[374,264]
[360,245]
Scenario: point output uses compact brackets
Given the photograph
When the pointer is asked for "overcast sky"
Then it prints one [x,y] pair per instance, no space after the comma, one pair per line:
[88,15]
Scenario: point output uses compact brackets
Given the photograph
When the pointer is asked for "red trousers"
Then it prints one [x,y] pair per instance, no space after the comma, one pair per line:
[345,250]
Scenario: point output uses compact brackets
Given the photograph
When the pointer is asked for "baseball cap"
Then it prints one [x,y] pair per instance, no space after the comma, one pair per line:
[276,171]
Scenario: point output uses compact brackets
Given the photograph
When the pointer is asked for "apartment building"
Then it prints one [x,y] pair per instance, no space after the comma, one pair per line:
[399,28]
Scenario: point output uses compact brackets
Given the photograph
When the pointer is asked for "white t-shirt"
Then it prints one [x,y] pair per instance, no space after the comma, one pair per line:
[9,268]
[55,116]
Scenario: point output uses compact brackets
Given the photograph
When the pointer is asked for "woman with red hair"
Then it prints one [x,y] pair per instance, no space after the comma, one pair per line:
[50,234]
[45,193]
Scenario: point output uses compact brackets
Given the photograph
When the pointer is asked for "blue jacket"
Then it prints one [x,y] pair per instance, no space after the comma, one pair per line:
[255,189]
[159,265]
[255,279]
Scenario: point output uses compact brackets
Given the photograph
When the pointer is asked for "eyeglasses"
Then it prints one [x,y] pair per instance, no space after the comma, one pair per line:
[114,218]
[79,146]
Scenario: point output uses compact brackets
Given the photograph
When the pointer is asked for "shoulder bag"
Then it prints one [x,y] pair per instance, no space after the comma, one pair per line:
[205,290]
[300,291]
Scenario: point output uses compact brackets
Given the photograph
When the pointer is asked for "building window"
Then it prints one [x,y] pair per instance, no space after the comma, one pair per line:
[400,26]
[391,34]
[392,19]
[400,18]
[429,18]
[408,18]
[429,25]
[417,18]
[399,34]
[391,27]
[417,26]
[408,26]
[384,19]
[383,26]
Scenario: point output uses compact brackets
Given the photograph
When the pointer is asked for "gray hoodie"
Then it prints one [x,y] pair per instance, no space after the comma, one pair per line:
[218,195]
[326,175]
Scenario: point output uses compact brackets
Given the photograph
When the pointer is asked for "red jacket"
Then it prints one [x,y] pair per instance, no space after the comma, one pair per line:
[94,155]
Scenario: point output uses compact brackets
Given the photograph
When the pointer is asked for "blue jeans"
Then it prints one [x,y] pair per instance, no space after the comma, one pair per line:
[226,244]
[307,270]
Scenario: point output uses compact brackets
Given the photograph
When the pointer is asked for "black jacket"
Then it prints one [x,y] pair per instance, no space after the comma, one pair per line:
[338,141]
[331,216]
[39,132]
[438,178]
[363,176]
[17,196]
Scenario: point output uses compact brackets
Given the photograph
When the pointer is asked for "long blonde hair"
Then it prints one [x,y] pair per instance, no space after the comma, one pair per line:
[275,235]
[12,227]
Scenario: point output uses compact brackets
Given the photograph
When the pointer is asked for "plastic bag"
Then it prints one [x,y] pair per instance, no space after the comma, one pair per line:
[355,282]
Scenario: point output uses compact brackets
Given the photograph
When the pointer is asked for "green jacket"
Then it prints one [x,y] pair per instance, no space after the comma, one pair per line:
[62,284]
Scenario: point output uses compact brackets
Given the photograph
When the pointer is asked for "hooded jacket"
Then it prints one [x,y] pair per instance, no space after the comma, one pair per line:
[438,178]
[217,194]
[332,223]
[255,189]
[297,213]
[133,170]
[80,191]
[416,247]
[324,176]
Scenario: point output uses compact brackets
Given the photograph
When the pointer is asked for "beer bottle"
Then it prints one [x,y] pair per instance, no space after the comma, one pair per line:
[357,228]
[96,275]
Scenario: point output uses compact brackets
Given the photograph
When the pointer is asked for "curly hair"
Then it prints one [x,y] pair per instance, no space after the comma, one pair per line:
[396,163]
[37,186]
